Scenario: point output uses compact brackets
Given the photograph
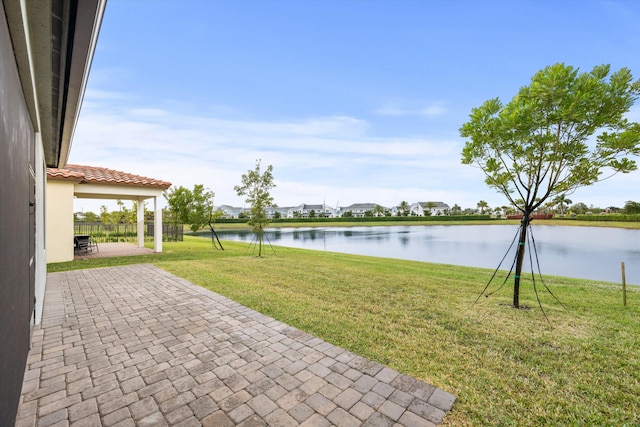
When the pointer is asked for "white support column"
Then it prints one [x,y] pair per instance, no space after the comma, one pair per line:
[140,218]
[157,225]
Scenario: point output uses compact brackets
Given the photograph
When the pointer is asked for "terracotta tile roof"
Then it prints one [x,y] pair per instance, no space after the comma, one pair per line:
[64,174]
[98,175]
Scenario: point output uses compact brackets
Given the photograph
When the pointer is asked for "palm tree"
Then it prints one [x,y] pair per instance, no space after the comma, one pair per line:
[429,206]
[404,208]
[562,201]
[378,210]
[548,207]
[482,205]
[456,210]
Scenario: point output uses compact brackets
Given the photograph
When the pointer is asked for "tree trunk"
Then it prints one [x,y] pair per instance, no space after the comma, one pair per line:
[260,242]
[520,259]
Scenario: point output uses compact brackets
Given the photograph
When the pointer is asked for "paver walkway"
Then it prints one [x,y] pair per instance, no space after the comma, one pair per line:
[135,345]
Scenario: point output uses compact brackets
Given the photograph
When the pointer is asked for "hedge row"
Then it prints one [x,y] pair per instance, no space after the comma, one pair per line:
[608,217]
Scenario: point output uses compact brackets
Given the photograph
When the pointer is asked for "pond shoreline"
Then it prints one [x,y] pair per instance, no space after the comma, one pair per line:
[417,222]
[593,253]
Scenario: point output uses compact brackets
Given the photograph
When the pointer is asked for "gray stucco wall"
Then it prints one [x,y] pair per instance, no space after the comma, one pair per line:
[17,139]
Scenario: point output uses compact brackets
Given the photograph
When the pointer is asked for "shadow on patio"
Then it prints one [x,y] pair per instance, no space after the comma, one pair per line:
[135,345]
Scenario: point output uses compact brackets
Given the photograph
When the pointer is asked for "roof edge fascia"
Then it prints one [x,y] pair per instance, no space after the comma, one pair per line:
[89,17]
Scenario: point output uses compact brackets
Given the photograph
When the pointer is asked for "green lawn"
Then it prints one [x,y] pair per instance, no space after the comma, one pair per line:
[506,366]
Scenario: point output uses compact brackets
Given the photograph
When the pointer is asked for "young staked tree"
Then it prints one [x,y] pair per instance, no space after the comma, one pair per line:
[201,207]
[256,186]
[564,131]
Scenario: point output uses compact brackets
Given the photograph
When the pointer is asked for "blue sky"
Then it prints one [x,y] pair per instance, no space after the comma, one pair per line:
[351,101]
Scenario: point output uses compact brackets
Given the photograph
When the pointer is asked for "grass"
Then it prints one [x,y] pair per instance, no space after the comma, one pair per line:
[506,366]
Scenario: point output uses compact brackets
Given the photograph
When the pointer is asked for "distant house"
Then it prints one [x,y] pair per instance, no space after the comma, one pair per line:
[358,209]
[229,212]
[280,212]
[322,210]
[304,211]
[232,212]
[435,208]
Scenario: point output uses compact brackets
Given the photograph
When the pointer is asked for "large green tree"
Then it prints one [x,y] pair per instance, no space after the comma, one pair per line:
[563,131]
[193,207]
[631,207]
[90,217]
[178,199]
[256,186]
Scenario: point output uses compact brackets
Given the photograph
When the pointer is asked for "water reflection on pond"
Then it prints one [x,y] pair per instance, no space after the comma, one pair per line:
[583,252]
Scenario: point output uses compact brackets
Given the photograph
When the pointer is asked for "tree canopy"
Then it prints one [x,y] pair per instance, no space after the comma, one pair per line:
[631,207]
[541,144]
[193,207]
[561,132]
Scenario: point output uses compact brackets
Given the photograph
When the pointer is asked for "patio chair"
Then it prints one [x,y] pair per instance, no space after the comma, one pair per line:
[92,244]
[80,245]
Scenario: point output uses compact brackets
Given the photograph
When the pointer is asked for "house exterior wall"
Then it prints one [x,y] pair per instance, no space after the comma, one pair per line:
[46,48]
[17,229]
[59,219]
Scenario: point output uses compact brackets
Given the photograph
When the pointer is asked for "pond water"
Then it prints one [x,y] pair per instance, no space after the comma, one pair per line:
[582,252]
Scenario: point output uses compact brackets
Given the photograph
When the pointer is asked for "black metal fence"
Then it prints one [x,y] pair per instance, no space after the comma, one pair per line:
[104,233]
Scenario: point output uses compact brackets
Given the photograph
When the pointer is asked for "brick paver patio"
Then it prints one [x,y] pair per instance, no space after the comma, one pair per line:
[137,346]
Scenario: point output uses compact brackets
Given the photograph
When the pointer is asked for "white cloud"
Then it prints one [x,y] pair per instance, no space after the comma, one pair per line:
[317,158]
[434,110]
[314,158]
[428,111]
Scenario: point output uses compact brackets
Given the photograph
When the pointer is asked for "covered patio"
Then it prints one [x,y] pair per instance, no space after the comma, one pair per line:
[91,182]
[137,346]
